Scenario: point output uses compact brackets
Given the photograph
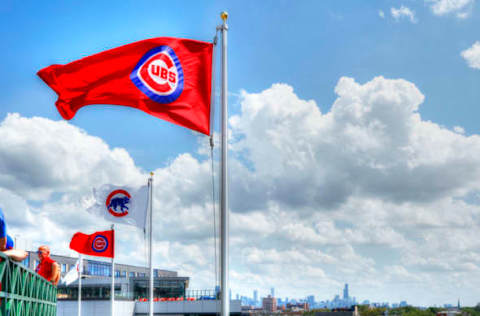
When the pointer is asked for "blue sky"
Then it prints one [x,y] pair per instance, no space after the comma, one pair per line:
[307,46]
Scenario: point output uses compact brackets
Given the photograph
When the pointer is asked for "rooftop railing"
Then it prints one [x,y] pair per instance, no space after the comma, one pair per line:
[23,292]
[201,294]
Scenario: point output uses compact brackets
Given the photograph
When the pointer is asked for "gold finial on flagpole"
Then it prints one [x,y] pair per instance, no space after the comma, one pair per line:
[224,16]
[151,173]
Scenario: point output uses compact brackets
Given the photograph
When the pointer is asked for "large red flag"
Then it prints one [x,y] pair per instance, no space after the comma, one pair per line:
[99,244]
[169,78]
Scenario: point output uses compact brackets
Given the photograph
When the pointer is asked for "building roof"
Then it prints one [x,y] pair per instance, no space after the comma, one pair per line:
[61,259]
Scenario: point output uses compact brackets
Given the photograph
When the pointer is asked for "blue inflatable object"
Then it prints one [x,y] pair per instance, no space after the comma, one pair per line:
[10,243]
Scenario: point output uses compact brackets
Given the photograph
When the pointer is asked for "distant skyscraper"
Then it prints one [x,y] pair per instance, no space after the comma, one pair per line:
[255,297]
[311,300]
[272,292]
[345,292]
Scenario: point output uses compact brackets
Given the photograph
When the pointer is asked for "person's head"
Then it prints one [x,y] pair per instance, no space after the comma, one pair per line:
[43,252]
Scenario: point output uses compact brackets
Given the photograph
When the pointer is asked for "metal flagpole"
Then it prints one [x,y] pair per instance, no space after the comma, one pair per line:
[212,144]
[150,186]
[224,177]
[112,290]
[80,265]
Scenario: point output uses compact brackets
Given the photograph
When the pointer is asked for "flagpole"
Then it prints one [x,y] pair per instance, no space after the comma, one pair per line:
[150,186]
[112,290]
[80,265]
[224,176]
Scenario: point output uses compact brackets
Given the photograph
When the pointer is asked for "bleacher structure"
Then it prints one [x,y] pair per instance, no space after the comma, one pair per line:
[23,292]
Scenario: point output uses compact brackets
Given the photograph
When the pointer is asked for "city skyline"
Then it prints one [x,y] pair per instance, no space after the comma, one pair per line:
[335,302]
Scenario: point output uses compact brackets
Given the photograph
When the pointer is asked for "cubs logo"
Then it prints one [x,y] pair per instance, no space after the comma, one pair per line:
[159,75]
[100,243]
[117,203]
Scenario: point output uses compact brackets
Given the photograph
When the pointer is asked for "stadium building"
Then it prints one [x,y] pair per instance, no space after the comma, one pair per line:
[131,290]
[131,282]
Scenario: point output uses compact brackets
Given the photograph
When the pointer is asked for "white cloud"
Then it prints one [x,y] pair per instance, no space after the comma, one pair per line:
[38,158]
[403,12]
[373,142]
[461,8]
[371,170]
[472,55]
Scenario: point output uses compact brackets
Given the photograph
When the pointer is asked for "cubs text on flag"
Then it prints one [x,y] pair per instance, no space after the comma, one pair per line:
[169,78]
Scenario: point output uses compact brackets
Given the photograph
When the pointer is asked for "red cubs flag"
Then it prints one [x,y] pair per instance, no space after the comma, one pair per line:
[99,244]
[169,78]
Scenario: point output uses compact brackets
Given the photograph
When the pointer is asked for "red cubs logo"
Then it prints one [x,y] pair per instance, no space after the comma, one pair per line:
[159,75]
[118,202]
[100,243]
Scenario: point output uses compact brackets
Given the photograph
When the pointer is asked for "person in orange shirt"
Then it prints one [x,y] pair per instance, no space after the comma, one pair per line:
[47,267]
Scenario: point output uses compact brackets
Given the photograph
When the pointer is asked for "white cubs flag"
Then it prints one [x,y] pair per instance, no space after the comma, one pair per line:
[124,205]
[72,275]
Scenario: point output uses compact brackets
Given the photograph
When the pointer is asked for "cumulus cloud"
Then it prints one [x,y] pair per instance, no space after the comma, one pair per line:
[461,8]
[367,193]
[38,158]
[371,171]
[373,142]
[403,12]
[472,55]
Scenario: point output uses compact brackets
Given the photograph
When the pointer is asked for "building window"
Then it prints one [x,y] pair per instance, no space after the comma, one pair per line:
[131,274]
[124,274]
[64,268]
[99,269]
[117,273]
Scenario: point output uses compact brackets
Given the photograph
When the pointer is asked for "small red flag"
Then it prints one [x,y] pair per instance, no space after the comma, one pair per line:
[168,78]
[99,244]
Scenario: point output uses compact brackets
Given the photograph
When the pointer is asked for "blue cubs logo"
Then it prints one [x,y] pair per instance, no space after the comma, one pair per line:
[100,243]
[159,75]
[118,202]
